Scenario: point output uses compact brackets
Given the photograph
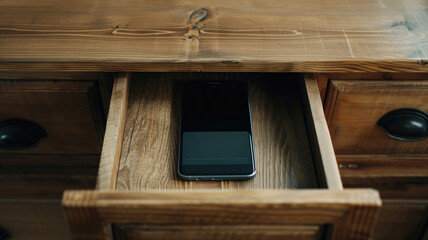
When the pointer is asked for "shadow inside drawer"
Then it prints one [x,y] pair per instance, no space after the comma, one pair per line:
[148,159]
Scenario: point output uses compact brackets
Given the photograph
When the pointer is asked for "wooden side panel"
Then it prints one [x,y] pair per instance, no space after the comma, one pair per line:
[244,232]
[322,148]
[112,146]
[149,157]
[33,219]
[354,210]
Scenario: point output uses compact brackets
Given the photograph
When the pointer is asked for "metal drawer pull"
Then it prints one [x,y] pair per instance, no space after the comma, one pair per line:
[20,134]
[405,124]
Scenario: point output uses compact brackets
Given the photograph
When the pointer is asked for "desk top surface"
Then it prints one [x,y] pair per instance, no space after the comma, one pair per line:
[214,35]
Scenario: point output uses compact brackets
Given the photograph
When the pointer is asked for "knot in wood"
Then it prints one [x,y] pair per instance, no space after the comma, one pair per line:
[199,15]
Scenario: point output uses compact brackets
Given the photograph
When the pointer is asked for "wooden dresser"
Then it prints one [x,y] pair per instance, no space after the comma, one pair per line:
[339,99]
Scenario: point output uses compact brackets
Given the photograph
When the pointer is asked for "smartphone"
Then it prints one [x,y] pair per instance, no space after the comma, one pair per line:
[216,140]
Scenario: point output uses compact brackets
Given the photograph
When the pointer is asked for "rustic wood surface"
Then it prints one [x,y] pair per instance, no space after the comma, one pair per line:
[353,108]
[244,35]
[35,219]
[323,154]
[149,151]
[241,232]
[353,211]
[112,146]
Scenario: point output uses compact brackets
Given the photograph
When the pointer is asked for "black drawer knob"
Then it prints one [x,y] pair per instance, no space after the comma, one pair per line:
[4,235]
[20,134]
[405,124]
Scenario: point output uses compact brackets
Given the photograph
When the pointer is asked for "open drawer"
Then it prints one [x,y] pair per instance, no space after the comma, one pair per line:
[296,194]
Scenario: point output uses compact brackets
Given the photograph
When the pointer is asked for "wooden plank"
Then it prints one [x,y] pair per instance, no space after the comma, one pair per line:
[25,75]
[149,156]
[112,145]
[189,232]
[354,210]
[322,147]
[244,35]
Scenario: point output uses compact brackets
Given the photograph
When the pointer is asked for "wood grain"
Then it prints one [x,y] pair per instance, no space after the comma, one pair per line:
[353,108]
[69,111]
[245,232]
[245,35]
[112,146]
[35,219]
[354,210]
[149,151]
[322,147]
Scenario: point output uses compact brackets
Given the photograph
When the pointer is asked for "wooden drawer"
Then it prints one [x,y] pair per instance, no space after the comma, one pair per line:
[140,194]
[354,107]
[30,219]
[367,156]
[69,112]
[69,109]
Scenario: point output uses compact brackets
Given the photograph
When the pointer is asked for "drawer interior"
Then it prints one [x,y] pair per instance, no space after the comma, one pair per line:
[286,157]
[139,192]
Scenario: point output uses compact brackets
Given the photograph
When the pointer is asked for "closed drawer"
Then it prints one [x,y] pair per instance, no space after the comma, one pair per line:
[367,155]
[68,111]
[297,185]
[354,107]
[70,114]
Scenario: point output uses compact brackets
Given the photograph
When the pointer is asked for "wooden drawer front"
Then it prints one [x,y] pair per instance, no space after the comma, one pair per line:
[353,212]
[245,232]
[38,220]
[353,109]
[401,219]
[69,111]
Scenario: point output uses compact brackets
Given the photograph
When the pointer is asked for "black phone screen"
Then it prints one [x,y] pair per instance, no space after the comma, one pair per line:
[216,136]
